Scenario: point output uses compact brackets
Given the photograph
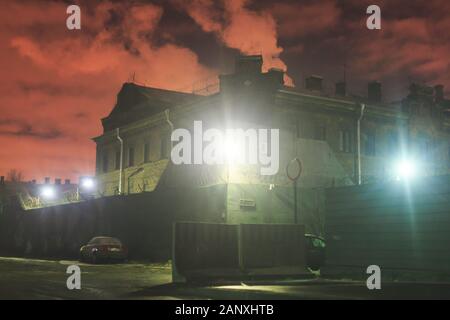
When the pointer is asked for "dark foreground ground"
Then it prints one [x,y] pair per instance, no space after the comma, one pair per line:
[41,279]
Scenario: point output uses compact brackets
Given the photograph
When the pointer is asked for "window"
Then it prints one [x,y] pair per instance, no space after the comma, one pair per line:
[117,162]
[424,145]
[105,162]
[393,144]
[147,152]
[165,146]
[304,128]
[105,241]
[448,154]
[320,132]
[345,141]
[131,157]
[369,144]
[298,127]
[429,149]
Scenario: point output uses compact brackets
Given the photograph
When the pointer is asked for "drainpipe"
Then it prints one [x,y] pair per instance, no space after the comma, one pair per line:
[121,160]
[358,143]
[166,112]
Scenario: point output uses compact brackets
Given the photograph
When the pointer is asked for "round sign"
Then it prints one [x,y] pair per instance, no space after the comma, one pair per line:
[294,169]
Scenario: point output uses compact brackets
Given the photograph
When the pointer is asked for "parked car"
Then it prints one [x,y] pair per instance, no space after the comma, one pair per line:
[101,249]
[315,251]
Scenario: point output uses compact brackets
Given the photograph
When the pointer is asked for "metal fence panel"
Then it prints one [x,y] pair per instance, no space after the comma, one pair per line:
[400,226]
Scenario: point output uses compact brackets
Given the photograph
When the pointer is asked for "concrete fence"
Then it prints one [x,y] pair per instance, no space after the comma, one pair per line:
[142,221]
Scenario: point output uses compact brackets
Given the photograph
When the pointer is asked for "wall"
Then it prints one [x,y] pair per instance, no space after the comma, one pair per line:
[276,206]
[144,181]
[142,221]
[402,227]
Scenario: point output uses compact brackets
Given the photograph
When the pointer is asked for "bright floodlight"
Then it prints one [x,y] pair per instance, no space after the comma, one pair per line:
[87,183]
[48,192]
[406,169]
[231,151]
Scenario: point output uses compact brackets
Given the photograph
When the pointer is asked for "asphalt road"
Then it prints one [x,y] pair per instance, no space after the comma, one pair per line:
[43,279]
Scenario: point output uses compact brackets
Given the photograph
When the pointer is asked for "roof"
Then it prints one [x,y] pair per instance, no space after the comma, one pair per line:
[191,176]
[135,101]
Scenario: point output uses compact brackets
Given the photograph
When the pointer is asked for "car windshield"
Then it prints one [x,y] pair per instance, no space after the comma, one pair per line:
[105,241]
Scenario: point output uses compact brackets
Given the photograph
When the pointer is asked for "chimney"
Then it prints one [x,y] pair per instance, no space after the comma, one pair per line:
[249,64]
[374,91]
[57,181]
[277,75]
[438,93]
[341,89]
[67,181]
[314,83]
[47,180]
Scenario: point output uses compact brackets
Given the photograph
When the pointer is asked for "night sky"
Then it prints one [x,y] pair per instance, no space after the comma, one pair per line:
[56,84]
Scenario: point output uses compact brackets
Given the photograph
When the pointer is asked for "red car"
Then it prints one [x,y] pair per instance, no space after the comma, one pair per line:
[101,249]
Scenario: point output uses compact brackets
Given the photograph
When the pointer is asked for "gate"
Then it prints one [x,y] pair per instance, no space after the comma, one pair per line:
[224,251]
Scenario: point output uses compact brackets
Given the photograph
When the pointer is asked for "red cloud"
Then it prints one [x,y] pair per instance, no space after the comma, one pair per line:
[56,84]
[66,83]
[298,20]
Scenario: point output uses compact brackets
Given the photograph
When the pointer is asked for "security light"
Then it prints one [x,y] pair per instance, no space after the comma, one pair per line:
[87,183]
[230,151]
[405,169]
[48,192]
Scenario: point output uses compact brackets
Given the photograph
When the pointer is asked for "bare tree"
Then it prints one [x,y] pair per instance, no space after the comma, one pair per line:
[14,175]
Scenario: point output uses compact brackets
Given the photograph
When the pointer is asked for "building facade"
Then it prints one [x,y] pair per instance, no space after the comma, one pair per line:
[340,139]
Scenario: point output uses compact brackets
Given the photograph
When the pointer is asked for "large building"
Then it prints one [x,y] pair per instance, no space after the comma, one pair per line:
[319,128]
[340,140]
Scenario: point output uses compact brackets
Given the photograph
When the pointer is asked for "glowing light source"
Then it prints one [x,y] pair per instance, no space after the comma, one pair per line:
[87,183]
[405,169]
[48,192]
[231,151]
